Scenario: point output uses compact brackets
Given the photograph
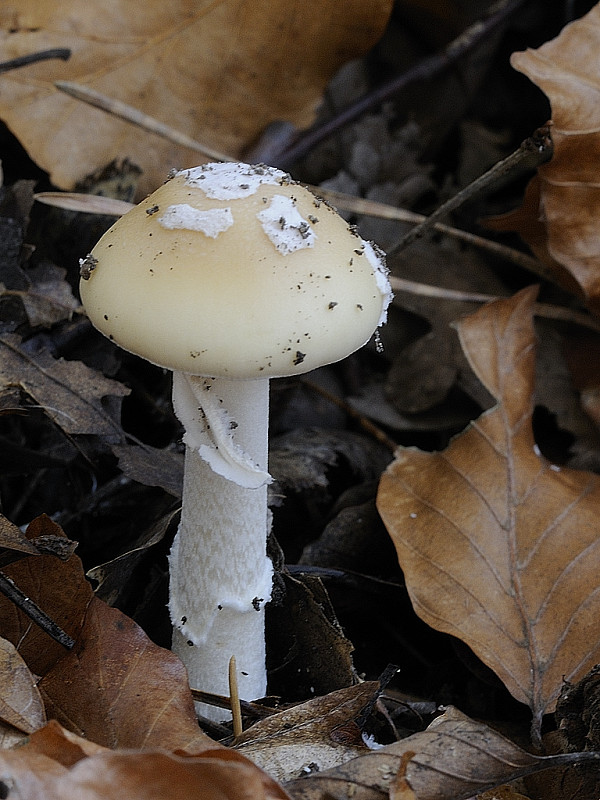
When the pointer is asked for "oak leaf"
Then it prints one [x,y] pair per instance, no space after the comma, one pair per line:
[562,227]
[219,72]
[499,547]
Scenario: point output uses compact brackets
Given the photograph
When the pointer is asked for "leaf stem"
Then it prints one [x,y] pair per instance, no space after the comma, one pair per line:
[535,150]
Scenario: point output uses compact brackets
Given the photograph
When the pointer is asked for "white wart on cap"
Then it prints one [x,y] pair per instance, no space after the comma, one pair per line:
[230,270]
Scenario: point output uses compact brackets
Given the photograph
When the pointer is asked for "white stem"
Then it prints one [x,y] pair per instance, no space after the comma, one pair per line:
[219,572]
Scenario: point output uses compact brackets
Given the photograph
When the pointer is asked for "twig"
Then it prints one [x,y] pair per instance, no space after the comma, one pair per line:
[359,205]
[539,146]
[365,423]
[10,590]
[32,58]
[130,114]
[546,310]
[255,710]
[429,67]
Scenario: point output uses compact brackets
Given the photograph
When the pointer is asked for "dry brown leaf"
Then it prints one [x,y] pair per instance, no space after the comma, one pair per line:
[50,298]
[498,546]
[15,544]
[455,757]
[13,538]
[568,71]
[528,222]
[56,765]
[60,744]
[151,466]
[315,735]
[219,72]
[20,701]
[58,587]
[69,391]
[120,690]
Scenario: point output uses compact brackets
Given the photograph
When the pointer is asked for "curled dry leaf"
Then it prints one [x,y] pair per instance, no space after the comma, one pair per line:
[20,702]
[315,735]
[498,546]
[455,757]
[218,72]
[12,538]
[568,71]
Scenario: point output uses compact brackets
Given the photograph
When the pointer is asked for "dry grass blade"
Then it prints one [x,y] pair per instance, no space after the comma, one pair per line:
[88,203]
[546,310]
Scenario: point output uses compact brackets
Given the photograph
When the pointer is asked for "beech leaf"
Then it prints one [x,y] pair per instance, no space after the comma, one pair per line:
[121,690]
[499,547]
[218,72]
[561,213]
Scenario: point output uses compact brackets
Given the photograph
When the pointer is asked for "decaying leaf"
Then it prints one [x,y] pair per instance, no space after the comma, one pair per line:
[113,577]
[218,72]
[20,703]
[13,538]
[310,654]
[302,458]
[70,393]
[151,466]
[315,735]
[498,546]
[50,297]
[453,759]
[15,544]
[567,70]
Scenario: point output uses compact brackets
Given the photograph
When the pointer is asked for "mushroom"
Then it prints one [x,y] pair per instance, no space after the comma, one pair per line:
[229,275]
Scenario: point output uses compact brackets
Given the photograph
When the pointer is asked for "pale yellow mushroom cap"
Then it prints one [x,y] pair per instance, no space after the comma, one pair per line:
[230,270]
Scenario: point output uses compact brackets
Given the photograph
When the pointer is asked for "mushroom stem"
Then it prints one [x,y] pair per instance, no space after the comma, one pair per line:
[219,572]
